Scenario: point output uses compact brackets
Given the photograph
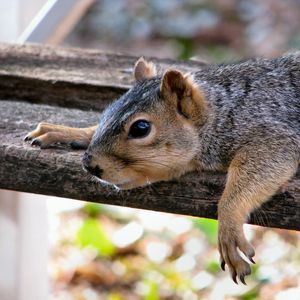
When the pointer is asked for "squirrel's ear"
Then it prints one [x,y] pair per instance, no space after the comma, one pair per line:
[180,90]
[173,82]
[144,70]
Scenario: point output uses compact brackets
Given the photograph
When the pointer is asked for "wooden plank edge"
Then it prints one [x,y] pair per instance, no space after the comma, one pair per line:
[58,172]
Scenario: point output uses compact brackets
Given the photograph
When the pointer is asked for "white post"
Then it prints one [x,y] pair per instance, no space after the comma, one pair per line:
[33,250]
[23,217]
[8,245]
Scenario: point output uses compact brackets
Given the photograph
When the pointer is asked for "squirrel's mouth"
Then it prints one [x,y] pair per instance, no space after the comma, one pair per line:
[131,184]
[126,185]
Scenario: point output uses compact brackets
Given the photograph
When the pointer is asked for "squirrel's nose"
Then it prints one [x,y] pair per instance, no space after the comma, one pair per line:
[87,165]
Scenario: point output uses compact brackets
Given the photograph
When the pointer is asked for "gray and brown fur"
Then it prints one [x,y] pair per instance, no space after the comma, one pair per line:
[241,118]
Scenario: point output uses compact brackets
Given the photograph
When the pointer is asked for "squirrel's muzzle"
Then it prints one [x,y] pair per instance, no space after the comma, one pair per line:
[88,165]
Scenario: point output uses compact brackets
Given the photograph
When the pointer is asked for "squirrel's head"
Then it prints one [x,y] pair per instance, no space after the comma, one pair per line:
[151,133]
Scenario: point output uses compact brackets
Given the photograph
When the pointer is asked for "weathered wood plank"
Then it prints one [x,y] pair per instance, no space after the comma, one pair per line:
[89,79]
[68,77]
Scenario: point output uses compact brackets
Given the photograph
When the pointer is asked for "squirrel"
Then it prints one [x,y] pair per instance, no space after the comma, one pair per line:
[241,118]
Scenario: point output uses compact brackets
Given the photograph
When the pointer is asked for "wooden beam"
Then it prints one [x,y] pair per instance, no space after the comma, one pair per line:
[72,81]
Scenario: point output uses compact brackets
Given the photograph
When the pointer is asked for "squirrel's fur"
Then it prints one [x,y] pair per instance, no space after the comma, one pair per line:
[241,118]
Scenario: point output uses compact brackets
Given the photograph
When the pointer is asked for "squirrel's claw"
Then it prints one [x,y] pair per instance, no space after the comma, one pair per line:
[251,259]
[223,265]
[233,276]
[36,142]
[238,267]
[242,279]
[27,138]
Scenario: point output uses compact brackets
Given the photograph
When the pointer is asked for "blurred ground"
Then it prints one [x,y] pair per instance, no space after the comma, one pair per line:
[216,30]
[103,252]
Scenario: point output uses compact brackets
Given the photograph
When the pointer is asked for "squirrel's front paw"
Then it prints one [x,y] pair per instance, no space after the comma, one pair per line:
[229,243]
[47,134]
[42,136]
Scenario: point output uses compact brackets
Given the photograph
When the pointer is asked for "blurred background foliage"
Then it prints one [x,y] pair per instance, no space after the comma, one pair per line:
[104,252]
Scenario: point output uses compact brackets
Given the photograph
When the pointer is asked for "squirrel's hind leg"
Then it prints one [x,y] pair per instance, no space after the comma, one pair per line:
[255,174]
[47,134]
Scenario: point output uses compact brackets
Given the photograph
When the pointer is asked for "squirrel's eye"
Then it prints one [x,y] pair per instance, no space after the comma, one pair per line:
[139,129]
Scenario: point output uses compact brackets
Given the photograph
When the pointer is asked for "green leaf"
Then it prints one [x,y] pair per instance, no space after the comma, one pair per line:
[153,293]
[209,227]
[92,209]
[213,267]
[187,47]
[92,234]
[250,295]
[114,296]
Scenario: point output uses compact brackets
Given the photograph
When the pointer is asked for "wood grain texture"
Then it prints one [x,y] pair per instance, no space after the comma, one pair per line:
[32,76]
[86,79]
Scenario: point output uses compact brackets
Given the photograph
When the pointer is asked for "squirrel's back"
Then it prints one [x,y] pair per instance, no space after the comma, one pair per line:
[267,88]
[249,98]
